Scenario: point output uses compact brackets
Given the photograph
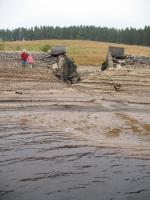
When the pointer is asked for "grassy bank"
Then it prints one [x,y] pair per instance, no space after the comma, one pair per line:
[83,52]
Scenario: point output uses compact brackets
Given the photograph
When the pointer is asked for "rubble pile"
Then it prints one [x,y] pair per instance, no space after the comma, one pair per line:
[115,59]
[131,60]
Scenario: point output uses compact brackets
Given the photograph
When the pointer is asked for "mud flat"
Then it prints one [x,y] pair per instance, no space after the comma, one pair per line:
[82,141]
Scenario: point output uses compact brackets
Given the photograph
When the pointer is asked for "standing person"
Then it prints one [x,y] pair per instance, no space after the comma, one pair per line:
[24,56]
[30,61]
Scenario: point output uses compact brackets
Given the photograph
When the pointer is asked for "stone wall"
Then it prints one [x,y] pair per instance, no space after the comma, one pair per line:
[132,61]
[12,59]
[115,59]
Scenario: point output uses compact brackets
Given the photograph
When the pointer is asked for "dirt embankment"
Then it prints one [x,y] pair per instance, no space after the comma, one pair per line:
[134,82]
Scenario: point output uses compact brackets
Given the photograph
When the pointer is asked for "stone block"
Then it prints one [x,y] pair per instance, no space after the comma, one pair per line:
[116,52]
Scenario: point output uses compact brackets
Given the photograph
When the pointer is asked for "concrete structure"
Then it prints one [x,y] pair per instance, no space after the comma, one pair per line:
[109,60]
[116,52]
[113,52]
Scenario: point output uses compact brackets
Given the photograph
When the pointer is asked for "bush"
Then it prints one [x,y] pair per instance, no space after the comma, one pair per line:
[18,48]
[45,48]
[2,46]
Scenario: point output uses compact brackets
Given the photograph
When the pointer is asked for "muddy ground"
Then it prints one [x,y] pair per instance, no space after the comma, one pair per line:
[77,138]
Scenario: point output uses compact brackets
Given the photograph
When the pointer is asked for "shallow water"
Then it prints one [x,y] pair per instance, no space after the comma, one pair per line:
[39,162]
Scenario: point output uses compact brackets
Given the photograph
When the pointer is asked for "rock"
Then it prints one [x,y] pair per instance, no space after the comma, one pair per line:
[18,92]
[118,66]
[117,87]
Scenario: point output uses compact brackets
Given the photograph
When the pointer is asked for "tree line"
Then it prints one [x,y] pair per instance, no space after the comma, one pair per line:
[126,36]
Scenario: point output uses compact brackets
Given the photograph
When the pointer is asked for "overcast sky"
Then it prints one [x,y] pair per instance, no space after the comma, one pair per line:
[108,13]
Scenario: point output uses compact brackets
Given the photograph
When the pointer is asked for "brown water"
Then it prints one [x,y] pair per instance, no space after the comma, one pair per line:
[43,161]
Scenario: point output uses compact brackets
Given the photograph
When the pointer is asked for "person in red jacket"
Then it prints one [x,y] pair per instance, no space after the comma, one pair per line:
[24,57]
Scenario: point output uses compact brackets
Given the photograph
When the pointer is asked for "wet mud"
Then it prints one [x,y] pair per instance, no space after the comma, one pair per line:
[61,142]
